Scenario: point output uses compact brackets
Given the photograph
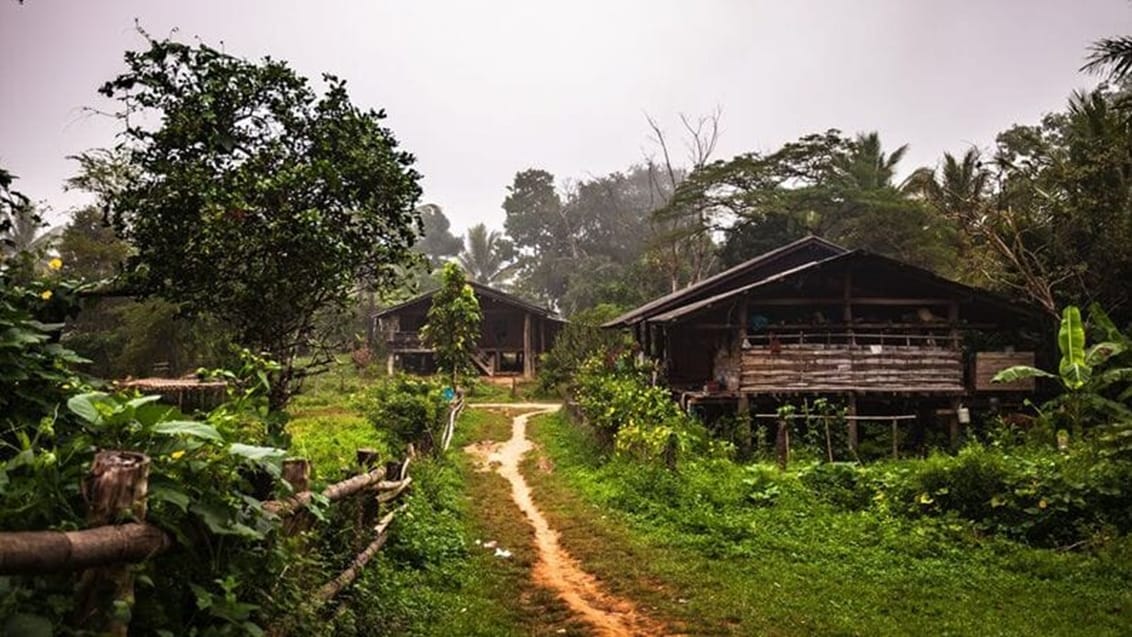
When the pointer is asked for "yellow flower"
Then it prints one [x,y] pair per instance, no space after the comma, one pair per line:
[55,263]
[45,295]
[177,454]
[1042,503]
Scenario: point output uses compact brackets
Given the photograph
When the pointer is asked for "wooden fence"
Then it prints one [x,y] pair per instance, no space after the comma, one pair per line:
[116,489]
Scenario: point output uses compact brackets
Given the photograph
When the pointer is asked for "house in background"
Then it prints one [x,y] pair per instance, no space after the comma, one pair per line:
[814,319]
[512,336]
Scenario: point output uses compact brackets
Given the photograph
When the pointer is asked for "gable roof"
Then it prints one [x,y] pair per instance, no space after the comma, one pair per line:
[481,290]
[927,276]
[767,261]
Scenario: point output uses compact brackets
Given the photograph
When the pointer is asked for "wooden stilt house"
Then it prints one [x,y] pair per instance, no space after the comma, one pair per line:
[813,319]
[512,336]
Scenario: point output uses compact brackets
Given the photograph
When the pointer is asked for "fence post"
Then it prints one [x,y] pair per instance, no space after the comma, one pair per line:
[115,491]
[782,443]
[367,504]
[297,473]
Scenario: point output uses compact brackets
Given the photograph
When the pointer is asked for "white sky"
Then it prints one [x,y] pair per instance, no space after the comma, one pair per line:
[480,90]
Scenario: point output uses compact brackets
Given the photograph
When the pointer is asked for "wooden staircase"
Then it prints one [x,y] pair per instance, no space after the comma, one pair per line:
[484,361]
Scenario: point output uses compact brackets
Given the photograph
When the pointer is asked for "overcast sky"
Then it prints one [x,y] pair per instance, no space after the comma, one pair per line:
[480,90]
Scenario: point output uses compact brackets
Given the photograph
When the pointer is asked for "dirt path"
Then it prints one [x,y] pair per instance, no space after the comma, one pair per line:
[556,569]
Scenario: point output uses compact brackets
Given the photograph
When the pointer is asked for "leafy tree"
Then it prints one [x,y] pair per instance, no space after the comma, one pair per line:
[453,326]
[543,233]
[488,256]
[825,184]
[256,199]
[579,340]
[573,244]
[1058,218]
[437,241]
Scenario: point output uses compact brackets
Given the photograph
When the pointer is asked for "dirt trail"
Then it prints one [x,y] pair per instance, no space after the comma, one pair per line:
[556,569]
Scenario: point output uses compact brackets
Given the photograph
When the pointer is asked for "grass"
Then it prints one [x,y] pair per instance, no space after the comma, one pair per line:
[484,391]
[434,577]
[698,554]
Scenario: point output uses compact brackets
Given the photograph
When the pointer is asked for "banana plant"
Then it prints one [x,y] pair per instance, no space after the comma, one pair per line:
[1082,371]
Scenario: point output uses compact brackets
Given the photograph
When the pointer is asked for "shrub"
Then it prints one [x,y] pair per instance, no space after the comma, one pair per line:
[641,419]
[408,408]
[579,340]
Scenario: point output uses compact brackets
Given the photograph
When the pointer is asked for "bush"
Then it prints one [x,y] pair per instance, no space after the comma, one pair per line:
[411,409]
[641,419]
[579,340]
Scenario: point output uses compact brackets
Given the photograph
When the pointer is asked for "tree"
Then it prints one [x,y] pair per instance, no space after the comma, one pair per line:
[453,326]
[827,184]
[683,229]
[488,256]
[257,199]
[25,232]
[437,241]
[1111,56]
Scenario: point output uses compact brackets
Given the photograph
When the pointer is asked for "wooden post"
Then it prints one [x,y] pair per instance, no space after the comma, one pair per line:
[115,491]
[367,505]
[828,438]
[390,365]
[851,412]
[953,424]
[782,444]
[746,427]
[528,350]
[297,473]
[895,446]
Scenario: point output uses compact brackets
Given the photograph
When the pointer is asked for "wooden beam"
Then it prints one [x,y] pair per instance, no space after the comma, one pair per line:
[861,300]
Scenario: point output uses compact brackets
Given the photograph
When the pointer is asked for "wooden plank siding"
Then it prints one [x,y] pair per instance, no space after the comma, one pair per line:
[819,368]
[987,364]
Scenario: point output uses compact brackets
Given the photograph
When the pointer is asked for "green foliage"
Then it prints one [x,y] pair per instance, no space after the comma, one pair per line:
[827,184]
[407,409]
[35,370]
[617,399]
[1087,389]
[579,340]
[256,199]
[487,256]
[453,327]
[819,533]
[331,440]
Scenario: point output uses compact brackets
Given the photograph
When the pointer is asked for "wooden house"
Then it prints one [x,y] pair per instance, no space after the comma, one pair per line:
[815,319]
[512,336]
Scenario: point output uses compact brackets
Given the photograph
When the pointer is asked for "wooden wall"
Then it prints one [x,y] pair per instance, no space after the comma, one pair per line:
[822,368]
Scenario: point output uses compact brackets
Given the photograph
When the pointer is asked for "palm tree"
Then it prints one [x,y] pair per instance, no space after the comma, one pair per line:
[488,257]
[22,232]
[867,166]
[957,189]
[1111,57]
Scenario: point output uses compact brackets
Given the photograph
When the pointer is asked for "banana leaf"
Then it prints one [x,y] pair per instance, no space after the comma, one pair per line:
[1074,370]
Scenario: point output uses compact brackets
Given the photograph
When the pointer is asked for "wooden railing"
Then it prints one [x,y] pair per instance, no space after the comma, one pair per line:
[117,490]
[404,340]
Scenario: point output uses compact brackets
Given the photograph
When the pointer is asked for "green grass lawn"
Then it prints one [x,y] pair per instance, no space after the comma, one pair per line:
[717,564]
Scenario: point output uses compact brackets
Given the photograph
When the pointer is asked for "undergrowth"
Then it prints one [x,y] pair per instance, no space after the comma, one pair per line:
[749,549]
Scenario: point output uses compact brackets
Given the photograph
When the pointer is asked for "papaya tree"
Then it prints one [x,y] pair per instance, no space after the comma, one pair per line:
[453,325]
[1088,384]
